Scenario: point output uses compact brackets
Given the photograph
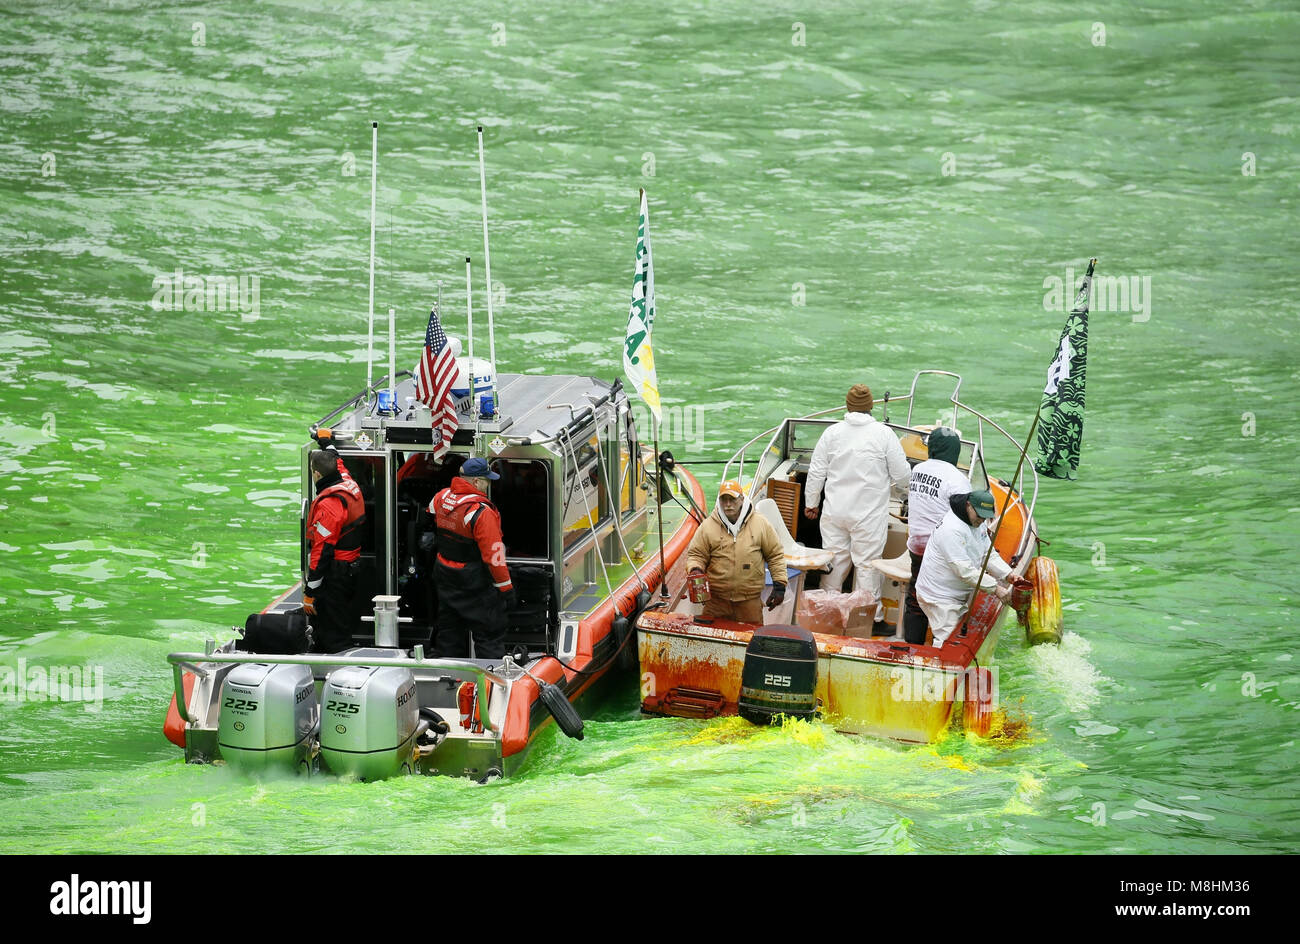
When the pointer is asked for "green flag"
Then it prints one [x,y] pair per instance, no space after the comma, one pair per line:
[638,358]
[1060,415]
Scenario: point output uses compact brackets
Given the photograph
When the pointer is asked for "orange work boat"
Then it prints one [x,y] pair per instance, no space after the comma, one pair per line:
[878,685]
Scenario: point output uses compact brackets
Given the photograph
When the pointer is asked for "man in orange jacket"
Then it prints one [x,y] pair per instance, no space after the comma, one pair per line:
[474,588]
[334,527]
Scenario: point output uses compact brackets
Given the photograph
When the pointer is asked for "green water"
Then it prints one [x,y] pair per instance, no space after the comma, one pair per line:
[148,457]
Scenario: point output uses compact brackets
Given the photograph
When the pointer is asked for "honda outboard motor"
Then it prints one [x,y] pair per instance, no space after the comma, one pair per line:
[369,721]
[779,676]
[268,717]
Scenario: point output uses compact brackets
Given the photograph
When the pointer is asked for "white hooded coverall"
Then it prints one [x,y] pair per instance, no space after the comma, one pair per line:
[948,572]
[856,460]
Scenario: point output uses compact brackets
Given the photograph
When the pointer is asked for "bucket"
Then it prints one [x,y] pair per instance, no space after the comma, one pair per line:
[1022,594]
[697,587]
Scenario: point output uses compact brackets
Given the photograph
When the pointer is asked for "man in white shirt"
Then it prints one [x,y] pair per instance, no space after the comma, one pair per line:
[953,557]
[855,460]
[933,482]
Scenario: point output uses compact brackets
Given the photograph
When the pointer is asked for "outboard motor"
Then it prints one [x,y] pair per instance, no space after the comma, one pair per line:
[779,676]
[369,721]
[268,716]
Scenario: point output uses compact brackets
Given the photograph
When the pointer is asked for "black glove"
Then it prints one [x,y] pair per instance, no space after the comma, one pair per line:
[776,597]
[512,599]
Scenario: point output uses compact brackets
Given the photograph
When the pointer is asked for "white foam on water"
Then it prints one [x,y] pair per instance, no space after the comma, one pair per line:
[1090,728]
[219,600]
[15,342]
[96,570]
[273,498]
[1065,670]
[207,488]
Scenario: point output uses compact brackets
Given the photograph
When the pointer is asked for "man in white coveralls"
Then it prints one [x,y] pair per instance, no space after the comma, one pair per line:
[856,460]
[952,562]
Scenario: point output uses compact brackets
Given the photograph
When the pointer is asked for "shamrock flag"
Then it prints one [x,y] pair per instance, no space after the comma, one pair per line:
[1060,415]
[638,360]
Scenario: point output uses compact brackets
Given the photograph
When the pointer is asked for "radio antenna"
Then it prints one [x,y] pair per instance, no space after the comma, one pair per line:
[487,261]
[374,177]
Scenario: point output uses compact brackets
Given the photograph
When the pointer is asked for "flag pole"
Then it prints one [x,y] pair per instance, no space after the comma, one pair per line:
[1006,506]
[487,263]
[374,176]
[1038,415]
[659,508]
[469,310]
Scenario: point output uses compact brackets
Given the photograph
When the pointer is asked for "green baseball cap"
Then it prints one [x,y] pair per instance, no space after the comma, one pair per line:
[982,501]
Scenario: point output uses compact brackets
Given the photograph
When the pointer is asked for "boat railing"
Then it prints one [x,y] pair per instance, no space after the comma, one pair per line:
[738,456]
[771,435]
[365,396]
[1018,486]
[911,394]
[192,662]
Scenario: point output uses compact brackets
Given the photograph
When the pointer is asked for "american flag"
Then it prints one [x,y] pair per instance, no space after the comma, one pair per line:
[433,379]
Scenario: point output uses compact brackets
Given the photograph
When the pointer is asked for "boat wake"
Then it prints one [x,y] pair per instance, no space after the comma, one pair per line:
[1065,670]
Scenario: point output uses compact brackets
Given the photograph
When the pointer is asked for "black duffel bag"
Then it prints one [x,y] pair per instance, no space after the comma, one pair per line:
[276,634]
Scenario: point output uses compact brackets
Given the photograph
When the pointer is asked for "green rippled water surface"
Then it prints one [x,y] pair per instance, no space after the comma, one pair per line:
[147,458]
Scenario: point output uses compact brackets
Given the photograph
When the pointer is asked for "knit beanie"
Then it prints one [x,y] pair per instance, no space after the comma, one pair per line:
[859,399]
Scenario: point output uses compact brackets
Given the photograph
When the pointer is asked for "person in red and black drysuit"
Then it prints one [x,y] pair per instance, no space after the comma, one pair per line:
[474,588]
[334,535]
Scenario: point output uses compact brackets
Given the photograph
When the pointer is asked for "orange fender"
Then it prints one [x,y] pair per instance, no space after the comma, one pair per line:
[174,727]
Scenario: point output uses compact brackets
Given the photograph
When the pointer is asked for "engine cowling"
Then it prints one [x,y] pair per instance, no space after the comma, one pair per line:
[369,721]
[267,717]
[779,676]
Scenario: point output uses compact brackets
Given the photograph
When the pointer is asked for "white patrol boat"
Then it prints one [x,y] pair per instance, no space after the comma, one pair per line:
[595,527]
[580,523]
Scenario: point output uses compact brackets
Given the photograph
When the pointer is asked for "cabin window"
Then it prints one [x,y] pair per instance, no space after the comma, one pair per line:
[522,496]
[767,464]
[978,477]
[585,500]
[804,435]
[964,457]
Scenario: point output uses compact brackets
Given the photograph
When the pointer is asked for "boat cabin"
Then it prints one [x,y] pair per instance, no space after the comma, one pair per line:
[573,489]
